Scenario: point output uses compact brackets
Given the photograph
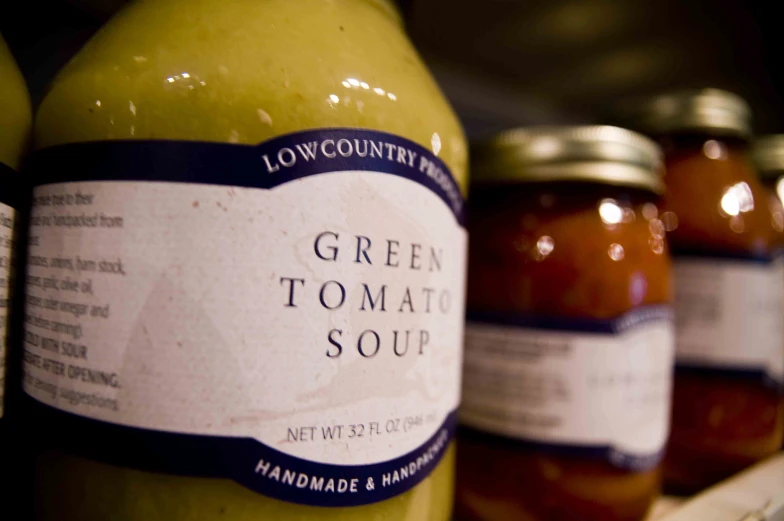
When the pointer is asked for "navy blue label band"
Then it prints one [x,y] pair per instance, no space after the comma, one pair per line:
[758,376]
[611,326]
[267,165]
[606,453]
[764,256]
[244,460]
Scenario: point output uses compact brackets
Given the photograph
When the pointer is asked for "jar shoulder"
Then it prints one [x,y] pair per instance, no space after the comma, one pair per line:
[596,261]
[720,205]
[247,71]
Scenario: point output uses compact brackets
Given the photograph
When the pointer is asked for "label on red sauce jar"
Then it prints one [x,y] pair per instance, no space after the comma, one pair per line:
[730,317]
[587,388]
[287,315]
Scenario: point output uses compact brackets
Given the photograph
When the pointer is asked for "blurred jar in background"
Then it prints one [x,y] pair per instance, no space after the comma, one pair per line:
[569,344]
[727,406]
[767,153]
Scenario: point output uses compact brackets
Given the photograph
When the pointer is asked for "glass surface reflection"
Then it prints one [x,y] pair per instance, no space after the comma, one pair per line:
[357,84]
[610,212]
[544,246]
[714,149]
[737,199]
[616,252]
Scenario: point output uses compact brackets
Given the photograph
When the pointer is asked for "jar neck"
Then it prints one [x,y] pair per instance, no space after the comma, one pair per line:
[774,183]
[569,195]
[770,181]
[712,146]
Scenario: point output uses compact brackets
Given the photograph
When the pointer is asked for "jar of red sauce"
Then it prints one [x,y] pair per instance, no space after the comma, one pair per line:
[569,340]
[725,236]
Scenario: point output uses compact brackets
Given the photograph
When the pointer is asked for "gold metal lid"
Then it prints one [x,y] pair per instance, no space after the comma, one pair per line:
[601,154]
[712,111]
[767,152]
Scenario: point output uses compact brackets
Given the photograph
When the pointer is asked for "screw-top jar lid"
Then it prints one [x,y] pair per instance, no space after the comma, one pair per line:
[712,111]
[600,154]
[767,152]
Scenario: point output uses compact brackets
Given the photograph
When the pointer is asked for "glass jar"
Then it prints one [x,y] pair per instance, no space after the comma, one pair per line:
[569,340]
[253,216]
[728,410]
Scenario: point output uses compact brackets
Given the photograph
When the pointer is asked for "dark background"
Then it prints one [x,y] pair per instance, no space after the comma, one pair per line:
[516,62]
